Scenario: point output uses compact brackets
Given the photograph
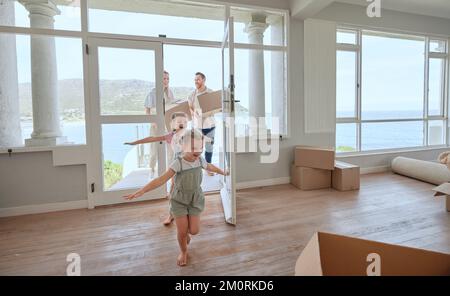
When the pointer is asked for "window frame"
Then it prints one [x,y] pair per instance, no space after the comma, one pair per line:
[84,34]
[358,121]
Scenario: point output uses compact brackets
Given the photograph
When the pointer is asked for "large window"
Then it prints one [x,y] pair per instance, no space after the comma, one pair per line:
[390,90]
[65,91]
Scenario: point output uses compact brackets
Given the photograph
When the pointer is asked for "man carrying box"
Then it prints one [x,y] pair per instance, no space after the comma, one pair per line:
[207,124]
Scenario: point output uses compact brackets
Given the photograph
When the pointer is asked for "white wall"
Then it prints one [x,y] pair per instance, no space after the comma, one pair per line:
[31,179]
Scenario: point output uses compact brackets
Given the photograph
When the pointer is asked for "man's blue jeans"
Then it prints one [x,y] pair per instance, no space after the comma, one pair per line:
[209,146]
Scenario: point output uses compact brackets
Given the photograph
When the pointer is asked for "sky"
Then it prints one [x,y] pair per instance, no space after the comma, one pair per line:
[392,76]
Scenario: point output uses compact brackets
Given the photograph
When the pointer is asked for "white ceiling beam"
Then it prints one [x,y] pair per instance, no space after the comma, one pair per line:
[303,9]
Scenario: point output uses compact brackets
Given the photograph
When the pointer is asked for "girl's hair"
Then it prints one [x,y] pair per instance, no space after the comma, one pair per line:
[175,115]
[178,114]
[190,136]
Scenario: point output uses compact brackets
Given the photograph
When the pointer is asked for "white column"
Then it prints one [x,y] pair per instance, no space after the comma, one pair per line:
[255,30]
[10,132]
[44,76]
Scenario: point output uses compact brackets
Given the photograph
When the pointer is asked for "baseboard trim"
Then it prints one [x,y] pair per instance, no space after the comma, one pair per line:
[43,208]
[287,180]
[263,183]
[374,170]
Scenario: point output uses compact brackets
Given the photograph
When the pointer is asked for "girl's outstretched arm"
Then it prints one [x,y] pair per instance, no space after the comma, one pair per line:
[212,168]
[155,183]
[147,140]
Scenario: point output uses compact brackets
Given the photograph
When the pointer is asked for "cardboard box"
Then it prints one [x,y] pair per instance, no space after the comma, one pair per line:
[336,255]
[181,107]
[314,157]
[345,176]
[309,178]
[444,190]
[210,103]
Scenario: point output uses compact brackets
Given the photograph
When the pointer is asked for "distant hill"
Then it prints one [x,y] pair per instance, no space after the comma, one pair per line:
[124,96]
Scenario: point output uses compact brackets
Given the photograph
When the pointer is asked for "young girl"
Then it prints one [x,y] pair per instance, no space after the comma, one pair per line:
[187,200]
[178,124]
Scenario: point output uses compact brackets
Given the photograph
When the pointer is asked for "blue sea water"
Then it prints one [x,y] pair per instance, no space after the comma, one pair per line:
[381,135]
[114,137]
[373,135]
[388,135]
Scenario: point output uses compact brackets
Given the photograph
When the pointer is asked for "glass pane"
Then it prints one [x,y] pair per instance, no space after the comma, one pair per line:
[437,45]
[174,19]
[23,60]
[344,36]
[182,62]
[241,72]
[272,85]
[276,89]
[71,89]
[67,15]
[392,77]
[389,135]
[68,88]
[346,84]
[127,81]
[436,132]
[258,27]
[127,166]
[346,134]
[436,86]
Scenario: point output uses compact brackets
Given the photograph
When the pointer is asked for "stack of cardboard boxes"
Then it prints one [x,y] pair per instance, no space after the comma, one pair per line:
[316,168]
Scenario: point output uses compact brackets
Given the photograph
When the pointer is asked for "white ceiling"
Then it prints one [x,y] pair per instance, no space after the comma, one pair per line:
[437,8]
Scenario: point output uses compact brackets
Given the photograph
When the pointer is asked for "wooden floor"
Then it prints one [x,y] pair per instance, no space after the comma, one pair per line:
[274,224]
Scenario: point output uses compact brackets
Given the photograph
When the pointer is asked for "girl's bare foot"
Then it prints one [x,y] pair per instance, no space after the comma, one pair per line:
[168,220]
[182,259]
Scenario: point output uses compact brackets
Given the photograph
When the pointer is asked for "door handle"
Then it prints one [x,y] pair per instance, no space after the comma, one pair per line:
[164,106]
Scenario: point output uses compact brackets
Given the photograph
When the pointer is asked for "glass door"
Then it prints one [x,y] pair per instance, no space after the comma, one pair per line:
[126,104]
[228,192]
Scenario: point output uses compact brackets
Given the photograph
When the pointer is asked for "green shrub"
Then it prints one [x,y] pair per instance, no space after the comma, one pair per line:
[345,149]
[112,173]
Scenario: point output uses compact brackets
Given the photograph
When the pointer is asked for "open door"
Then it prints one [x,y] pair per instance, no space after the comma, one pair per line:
[119,116]
[228,192]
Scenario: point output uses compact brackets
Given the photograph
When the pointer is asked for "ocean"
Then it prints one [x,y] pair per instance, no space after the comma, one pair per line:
[374,135]
[114,137]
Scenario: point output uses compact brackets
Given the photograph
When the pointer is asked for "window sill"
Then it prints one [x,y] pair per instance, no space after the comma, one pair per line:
[389,151]
[26,149]
[62,155]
